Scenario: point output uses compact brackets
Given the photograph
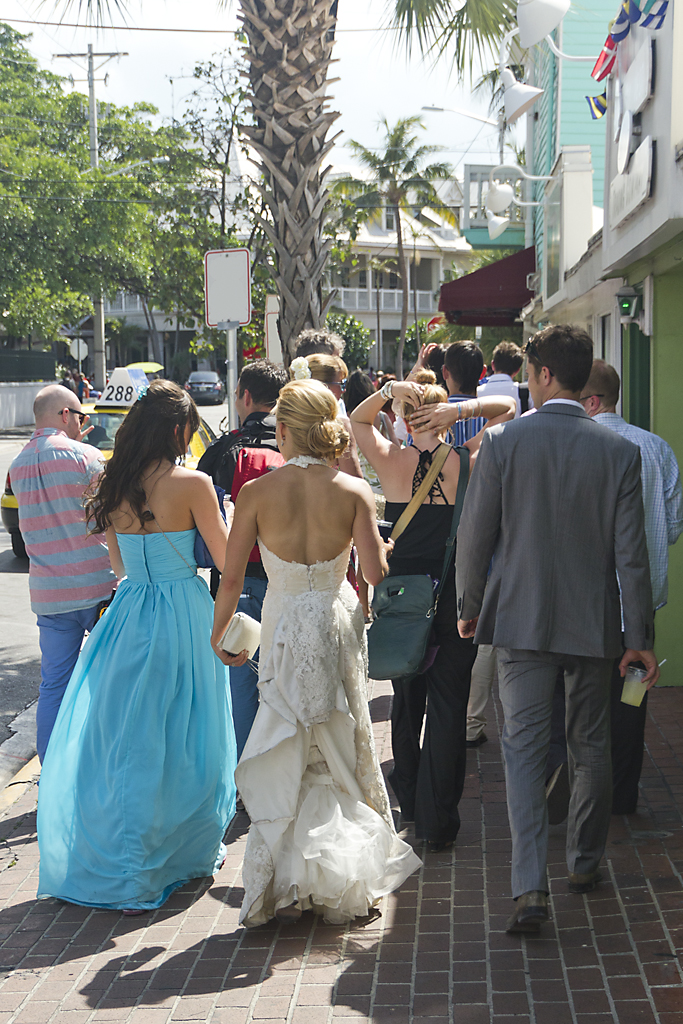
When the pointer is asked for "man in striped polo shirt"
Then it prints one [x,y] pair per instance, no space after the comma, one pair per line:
[70,574]
[462,369]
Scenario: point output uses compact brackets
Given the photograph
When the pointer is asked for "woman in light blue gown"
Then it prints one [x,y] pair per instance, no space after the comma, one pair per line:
[137,786]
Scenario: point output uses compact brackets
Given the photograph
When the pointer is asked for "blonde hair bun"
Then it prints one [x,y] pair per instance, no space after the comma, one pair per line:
[431,395]
[424,376]
[309,410]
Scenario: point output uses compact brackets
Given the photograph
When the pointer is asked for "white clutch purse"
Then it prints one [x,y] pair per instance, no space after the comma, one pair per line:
[243,634]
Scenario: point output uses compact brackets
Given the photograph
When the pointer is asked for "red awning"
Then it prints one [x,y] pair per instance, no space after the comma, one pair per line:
[492,296]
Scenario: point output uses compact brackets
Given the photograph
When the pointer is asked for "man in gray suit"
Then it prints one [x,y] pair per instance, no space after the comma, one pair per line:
[555,499]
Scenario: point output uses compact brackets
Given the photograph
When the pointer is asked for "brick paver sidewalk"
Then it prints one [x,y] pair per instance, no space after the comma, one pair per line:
[439,952]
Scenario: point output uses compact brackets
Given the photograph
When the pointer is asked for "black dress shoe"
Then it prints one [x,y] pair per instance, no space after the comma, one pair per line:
[440,847]
[530,913]
[584,883]
[481,738]
[557,794]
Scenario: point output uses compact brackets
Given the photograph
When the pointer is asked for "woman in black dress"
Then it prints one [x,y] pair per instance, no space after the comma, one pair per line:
[427,779]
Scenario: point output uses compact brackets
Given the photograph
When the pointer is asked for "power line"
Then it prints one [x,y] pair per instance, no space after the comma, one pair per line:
[84,199]
[145,28]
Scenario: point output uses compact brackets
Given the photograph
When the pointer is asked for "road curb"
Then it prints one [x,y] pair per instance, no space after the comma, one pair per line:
[18,785]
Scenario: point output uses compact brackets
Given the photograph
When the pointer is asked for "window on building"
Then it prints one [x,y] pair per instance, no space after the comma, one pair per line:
[389,221]
[362,278]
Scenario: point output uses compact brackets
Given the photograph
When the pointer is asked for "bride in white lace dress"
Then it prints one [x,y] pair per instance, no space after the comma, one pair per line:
[322,835]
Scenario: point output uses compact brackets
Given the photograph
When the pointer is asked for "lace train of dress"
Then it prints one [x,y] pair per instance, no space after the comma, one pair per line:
[321,831]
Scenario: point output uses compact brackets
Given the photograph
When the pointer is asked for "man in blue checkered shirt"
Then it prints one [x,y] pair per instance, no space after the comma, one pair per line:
[663,505]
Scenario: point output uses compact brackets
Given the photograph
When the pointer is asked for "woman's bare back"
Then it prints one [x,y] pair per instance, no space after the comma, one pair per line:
[306,515]
[168,491]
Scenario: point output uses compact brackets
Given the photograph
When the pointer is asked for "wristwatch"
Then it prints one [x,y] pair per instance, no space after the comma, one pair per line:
[387,390]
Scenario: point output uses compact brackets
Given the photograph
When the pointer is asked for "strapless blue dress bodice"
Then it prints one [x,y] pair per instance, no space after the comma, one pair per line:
[158,557]
[137,785]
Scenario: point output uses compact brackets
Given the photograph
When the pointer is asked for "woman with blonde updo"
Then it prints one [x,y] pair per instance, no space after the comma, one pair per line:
[322,836]
[427,777]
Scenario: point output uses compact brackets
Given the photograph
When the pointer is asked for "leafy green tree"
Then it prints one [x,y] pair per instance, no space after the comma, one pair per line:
[66,228]
[401,180]
[34,311]
[358,338]
[70,230]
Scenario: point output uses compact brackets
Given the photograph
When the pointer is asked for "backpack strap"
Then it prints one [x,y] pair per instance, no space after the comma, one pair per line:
[523,392]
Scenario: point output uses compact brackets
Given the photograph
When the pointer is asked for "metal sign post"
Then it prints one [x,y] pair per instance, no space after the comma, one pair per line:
[79,350]
[230,328]
[227,279]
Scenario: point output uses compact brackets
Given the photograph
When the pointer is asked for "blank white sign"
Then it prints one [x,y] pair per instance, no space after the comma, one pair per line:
[227,280]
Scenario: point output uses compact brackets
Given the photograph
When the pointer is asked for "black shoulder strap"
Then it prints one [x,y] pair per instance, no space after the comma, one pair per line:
[463,480]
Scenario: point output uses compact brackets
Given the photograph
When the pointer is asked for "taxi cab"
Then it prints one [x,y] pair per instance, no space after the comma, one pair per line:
[105,420]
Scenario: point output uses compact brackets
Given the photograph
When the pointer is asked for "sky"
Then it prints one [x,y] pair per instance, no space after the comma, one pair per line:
[377,78]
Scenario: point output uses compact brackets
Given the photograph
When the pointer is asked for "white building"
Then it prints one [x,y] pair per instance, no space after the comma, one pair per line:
[370,289]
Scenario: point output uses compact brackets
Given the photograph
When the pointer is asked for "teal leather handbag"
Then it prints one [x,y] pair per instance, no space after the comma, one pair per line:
[404,607]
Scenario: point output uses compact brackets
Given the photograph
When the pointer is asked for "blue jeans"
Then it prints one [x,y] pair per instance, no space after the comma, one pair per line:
[61,637]
[244,680]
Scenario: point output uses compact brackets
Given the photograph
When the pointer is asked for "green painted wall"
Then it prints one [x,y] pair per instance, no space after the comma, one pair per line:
[667,421]
[584,30]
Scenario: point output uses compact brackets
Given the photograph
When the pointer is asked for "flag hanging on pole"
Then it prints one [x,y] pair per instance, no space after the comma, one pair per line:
[628,15]
[604,65]
[654,13]
[597,105]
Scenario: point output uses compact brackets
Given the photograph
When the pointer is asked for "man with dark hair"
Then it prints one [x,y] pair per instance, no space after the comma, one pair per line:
[258,388]
[506,361]
[555,509]
[312,342]
[462,367]
[257,392]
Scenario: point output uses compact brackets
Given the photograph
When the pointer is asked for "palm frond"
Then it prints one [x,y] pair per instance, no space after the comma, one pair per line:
[462,34]
[96,12]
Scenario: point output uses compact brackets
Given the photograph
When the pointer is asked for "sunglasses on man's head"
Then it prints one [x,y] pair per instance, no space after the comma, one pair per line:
[531,350]
[82,416]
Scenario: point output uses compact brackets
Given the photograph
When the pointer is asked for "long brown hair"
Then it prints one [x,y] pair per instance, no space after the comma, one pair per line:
[153,430]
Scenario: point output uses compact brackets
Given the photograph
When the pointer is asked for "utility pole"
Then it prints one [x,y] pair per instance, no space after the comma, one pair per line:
[99,352]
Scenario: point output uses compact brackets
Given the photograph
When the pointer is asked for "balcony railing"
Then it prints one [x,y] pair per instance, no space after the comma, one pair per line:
[390,300]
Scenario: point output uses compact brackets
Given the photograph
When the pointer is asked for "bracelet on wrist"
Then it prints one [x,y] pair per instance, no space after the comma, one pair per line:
[387,391]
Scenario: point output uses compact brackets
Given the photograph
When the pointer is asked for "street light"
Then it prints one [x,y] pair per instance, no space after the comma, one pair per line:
[138,163]
[465,113]
[500,123]
[537,18]
[518,96]
[500,195]
[497,225]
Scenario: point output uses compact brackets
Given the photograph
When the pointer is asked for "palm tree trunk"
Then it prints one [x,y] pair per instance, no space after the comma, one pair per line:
[289,52]
[398,368]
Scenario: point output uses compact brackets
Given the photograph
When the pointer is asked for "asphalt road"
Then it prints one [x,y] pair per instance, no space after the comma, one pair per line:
[19,650]
[213,414]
